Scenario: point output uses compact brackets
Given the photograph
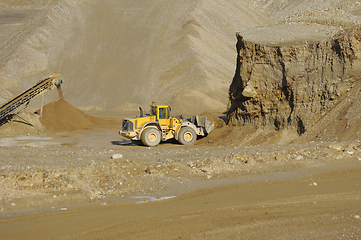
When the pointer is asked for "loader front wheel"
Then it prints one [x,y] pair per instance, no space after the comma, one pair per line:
[151,137]
[187,136]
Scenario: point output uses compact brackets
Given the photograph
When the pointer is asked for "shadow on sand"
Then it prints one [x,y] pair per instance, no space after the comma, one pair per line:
[123,143]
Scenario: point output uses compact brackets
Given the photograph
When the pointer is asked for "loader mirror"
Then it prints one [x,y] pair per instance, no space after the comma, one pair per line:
[170,109]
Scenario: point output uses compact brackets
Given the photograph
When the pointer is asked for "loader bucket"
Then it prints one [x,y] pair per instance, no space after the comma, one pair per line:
[200,121]
[209,126]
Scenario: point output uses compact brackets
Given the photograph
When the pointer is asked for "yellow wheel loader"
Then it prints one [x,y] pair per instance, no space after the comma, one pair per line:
[151,129]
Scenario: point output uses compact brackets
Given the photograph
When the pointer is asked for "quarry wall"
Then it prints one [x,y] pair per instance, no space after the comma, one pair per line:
[292,86]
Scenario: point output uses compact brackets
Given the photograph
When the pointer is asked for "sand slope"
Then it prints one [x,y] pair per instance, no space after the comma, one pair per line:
[174,52]
[179,53]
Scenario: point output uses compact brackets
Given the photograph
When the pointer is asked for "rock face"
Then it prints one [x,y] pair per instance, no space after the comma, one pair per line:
[292,86]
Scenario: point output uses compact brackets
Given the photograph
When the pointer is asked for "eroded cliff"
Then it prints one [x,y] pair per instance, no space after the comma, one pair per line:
[293,87]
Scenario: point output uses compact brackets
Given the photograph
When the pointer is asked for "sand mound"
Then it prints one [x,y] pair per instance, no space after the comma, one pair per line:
[180,53]
[214,118]
[248,135]
[61,116]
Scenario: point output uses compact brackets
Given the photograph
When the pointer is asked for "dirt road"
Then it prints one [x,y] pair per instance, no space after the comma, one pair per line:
[294,208]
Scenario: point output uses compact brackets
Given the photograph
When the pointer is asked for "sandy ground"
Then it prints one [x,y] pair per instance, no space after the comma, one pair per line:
[72,176]
[92,184]
[63,189]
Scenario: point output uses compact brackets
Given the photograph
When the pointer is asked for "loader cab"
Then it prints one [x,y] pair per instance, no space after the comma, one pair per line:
[162,114]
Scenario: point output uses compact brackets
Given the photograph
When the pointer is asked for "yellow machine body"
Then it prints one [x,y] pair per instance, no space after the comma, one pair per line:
[158,125]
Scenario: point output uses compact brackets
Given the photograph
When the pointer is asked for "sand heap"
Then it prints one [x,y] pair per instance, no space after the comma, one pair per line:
[60,116]
[179,53]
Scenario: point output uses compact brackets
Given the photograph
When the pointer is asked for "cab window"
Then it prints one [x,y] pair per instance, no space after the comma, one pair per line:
[162,113]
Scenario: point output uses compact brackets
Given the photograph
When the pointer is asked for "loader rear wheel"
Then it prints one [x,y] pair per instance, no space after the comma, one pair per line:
[151,137]
[187,136]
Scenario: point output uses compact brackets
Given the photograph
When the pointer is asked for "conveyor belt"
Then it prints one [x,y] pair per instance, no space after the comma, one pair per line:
[48,83]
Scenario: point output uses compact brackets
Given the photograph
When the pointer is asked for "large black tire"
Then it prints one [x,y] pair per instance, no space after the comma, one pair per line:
[187,136]
[151,137]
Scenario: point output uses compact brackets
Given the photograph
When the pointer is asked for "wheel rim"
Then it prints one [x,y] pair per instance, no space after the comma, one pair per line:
[188,136]
[152,137]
